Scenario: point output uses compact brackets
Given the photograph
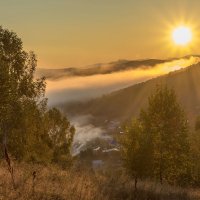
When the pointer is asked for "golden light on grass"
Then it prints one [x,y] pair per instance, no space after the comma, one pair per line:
[182,35]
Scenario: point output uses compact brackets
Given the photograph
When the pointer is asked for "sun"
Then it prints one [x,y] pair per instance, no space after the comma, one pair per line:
[182,35]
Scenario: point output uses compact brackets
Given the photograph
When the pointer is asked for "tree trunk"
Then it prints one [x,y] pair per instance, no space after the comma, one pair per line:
[10,168]
[161,177]
[6,155]
[136,180]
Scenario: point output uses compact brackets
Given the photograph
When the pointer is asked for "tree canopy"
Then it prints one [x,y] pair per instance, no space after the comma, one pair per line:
[29,129]
[157,143]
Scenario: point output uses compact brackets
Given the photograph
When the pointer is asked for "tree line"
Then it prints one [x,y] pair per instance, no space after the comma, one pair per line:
[28,129]
[159,144]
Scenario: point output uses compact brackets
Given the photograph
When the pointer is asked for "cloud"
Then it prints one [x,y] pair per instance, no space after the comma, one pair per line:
[101,68]
[80,88]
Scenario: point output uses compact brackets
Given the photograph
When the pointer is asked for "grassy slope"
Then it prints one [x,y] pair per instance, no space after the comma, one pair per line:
[53,183]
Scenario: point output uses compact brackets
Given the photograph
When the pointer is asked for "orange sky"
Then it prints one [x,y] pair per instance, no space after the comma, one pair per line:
[73,33]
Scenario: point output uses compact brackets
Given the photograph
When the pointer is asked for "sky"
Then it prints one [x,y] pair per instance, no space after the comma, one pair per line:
[76,33]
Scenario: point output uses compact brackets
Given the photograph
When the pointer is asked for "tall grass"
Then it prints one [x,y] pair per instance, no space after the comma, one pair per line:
[38,182]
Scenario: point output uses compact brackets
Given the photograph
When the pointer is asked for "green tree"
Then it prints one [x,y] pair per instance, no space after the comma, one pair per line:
[16,79]
[132,151]
[195,156]
[60,134]
[29,130]
[165,123]
[160,140]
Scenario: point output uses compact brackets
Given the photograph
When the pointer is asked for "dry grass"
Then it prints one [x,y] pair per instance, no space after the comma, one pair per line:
[53,183]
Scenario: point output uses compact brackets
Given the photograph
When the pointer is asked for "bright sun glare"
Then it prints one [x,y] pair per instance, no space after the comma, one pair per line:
[182,35]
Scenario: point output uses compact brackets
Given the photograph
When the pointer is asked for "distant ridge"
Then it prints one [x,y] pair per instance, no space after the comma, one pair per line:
[126,103]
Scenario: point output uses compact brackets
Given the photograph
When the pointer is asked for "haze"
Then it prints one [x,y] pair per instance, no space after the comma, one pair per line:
[79,88]
[74,33]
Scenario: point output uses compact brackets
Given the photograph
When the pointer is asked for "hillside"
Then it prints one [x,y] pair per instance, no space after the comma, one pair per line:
[123,104]
[54,183]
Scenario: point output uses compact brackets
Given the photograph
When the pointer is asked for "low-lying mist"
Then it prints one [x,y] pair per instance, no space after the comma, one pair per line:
[85,132]
[80,88]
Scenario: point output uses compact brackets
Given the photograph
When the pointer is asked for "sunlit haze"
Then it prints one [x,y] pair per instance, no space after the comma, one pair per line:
[182,35]
[76,33]
[100,99]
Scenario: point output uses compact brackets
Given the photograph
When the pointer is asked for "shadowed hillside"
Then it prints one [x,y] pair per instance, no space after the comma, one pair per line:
[127,102]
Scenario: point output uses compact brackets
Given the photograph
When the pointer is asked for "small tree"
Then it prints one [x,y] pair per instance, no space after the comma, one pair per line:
[158,145]
[132,151]
[195,155]
[60,134]
[165,123]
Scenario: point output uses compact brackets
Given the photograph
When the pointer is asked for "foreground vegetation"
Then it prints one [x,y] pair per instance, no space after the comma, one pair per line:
[36,141]
[160,145]
[53,183]
[28,129]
